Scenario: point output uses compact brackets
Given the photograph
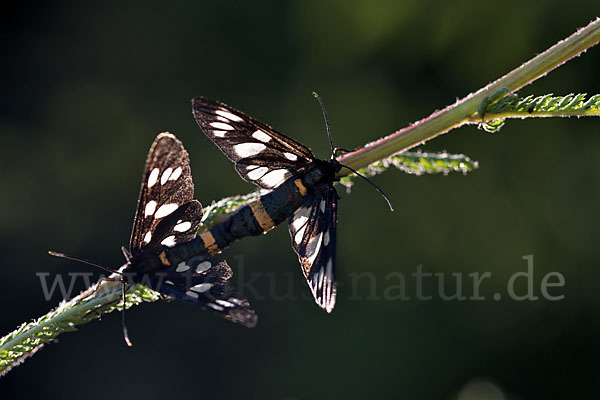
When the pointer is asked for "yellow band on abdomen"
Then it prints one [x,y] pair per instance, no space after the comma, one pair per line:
[262,217]
[209,242]
[301,188]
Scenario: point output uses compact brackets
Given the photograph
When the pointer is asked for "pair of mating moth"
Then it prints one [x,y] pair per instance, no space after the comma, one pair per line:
[168,254]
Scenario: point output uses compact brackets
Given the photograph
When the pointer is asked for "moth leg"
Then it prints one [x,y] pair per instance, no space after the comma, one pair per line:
[97,289]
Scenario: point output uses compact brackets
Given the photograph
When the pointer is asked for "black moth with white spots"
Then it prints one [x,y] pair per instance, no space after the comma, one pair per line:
[301,189]
[164,227]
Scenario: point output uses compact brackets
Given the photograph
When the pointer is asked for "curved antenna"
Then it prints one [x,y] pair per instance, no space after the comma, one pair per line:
[387,199]
[326,122]
[333,153]
[82,260]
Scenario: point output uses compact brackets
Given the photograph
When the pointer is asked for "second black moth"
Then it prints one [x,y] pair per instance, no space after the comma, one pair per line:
[300,187]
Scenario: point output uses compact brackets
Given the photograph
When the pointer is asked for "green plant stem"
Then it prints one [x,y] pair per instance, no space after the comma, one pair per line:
[465,110]
[85,307]
[89,305]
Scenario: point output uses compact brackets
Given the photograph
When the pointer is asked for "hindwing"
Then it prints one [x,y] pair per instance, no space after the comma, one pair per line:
[313,231]
[204,280]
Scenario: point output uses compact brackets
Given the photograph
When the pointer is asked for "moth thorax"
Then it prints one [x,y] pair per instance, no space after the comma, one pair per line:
[323,172]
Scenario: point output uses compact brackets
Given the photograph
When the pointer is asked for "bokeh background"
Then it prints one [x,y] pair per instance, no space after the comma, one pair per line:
[87,85]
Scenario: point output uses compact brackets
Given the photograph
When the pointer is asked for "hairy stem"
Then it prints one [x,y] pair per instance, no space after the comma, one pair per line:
[89,305]
[465,110]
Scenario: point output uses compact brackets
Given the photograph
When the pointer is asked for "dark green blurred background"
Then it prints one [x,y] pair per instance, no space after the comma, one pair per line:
[86,87]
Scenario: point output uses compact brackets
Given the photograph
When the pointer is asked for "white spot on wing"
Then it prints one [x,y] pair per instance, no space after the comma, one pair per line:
[312,249]
[192,294]
[251,167]
[248,149]
[299,222]
[169,241]
[223,303]
[326,238]
[183,227]
[165,176]
[148,237]
[257,173]
[229,115]
[218,133]
[165,210]
[221,125]
[150,208]
[275,177]
[260,135]
[215,307]
[176,174]
[290,156]
[298,236]
[329,268]
[322,206]
[203,266]
[320,279]
[182,267]
[201,287]
[153,177]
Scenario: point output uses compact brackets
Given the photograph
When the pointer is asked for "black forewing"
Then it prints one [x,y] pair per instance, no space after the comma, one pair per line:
[204,280]
[262,155]
[313,231]
[166,213]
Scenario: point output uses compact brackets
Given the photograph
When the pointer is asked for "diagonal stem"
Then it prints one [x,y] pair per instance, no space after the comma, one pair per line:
[465,109]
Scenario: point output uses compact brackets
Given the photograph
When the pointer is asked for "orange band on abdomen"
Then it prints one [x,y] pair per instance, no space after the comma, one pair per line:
[209,242]
[262,216]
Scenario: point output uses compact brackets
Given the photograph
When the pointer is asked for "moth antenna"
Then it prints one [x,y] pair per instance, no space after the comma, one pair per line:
[326,122]
[125,335]
[333,153]
[84,261]
[372,184]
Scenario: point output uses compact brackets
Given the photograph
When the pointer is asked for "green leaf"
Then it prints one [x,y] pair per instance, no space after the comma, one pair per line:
[418,163]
